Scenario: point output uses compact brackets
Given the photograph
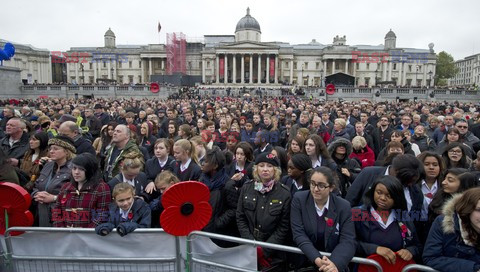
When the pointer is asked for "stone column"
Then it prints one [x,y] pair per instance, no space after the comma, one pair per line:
[225,73]
[95,72]
[384,72]
[276,69]
[217,67]
[267,81]
[333,67]
[251,69]
[389,71]
[242,66]
[76,73]
[424,81]
[203,71]
[346,66]
[234,62]
[400,77]
[432,82]
[150,68]
[291,71]
[259,68]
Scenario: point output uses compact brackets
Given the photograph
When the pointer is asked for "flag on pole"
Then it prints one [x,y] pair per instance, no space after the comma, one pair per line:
[159,27]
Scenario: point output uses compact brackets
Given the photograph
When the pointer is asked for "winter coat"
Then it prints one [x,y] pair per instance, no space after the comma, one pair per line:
[216,184]
[264,217]
[140,218]
[447,247]
[351,165]
[82,208]
[140,182]
[193,171]
[380,139]
[82,145]
[424,143]
[469,139]
[336,135]
[18,149]
[115,166]
[51,183]
[365,156]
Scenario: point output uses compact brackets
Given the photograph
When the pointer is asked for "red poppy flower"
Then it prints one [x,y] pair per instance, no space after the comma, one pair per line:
[186,208]
[14,204]
[397,267]
[243,171]
[36,161]
[130,215]
[429,195]
[404,229]
[329,222]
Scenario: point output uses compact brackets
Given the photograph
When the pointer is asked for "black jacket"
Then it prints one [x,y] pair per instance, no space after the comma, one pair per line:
[264,217]
[380,139]
[140,184]
[339,238]
[18,149]
[362,184]
[193,171]
[152,167]
[84,146]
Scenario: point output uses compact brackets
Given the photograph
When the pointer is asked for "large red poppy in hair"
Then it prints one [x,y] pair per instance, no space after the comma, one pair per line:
[186,208]
[397,267]
[14,203]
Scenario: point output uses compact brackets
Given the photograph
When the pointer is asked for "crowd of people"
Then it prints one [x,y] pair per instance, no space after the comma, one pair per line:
[393,181]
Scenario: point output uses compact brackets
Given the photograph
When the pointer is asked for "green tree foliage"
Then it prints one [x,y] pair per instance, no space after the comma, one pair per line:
[445,68]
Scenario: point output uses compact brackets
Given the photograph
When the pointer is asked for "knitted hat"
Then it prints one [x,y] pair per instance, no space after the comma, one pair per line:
[63,141]
[268,158]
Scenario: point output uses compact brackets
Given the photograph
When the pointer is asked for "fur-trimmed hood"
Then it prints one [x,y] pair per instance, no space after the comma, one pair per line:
[452,222]
[338,142]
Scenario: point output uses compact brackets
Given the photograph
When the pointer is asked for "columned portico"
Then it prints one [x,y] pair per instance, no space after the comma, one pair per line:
[250,72]
[267,81]
[234,77]
[259,69]
[217,70]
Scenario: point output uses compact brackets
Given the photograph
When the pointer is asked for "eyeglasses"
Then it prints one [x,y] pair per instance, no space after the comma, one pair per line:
[319,186]
[455,151]
[462,126]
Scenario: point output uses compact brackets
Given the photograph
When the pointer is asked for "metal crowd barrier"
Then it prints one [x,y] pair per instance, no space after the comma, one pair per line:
[418,267]
[88,257]
[199,265]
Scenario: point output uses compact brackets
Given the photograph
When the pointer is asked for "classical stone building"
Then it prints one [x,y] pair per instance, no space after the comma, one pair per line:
[33,62]
[244,60]
[468,72]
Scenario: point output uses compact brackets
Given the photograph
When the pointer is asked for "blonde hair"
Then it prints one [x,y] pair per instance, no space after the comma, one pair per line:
[188,147]
[358,142]
[276,175]
[199,141]
[121,188]
[165,177]
[341,122]
[132,160]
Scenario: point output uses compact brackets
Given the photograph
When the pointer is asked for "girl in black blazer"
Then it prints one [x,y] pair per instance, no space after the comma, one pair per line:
[322,221]
[186,168]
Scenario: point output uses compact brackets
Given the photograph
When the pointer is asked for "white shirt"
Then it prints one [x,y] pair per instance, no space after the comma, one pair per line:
[318,163]
[408,198]
[425,191]
[162,163]
[296,185]
[322,210]
[238,168]
[263,149]
[386,171]
[184,167]
[378,218]
[124,214]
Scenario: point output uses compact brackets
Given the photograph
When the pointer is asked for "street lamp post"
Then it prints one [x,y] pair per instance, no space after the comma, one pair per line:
[302,73]
[83,73]
[111,73]
[376,72]
[416,75]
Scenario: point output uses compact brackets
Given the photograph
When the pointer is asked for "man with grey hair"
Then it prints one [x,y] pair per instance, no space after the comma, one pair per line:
[8,113]
[15,142]
[71,130]
[122,144]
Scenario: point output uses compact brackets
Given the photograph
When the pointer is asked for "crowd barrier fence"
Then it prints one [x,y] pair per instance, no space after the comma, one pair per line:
[79,250]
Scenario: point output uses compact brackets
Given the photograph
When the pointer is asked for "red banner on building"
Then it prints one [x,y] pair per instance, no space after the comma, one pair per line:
[272,67]
[222,66]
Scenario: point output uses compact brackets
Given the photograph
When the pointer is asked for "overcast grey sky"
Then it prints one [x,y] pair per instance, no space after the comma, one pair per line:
[452,25]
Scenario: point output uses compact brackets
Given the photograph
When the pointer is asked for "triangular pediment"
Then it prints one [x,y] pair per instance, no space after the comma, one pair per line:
[247,45]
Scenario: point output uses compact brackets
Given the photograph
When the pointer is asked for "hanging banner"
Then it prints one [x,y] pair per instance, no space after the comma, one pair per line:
[221,63]
[272,67]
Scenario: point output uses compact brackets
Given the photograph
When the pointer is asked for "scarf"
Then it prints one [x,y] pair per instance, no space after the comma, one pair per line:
[264,187]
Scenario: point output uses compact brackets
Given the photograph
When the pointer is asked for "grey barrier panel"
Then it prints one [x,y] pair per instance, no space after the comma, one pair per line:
[83,250]
[418,267]
[196,264]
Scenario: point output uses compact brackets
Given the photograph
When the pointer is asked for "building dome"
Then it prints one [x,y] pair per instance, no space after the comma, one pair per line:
[248,23]
[390,34]
[109,33]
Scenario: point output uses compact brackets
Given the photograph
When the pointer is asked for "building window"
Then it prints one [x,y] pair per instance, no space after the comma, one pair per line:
[409,68]
[120,64]
[208,64]
[139,79]
[295,65]
[317,65]
[286,64]
[358,66]
[305,65]
[120,79]
[130,64]
[337,65]
[91,65]
[368,66]
[91,80]
[394,66]
[159,64]
[140,64]
[104,65]
[130,79]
